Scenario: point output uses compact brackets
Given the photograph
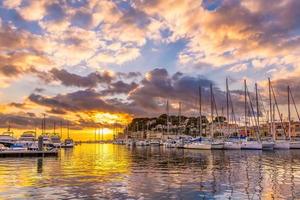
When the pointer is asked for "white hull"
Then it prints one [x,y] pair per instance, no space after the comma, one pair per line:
[266,145]
[142,143]
[282,145]
[217,145]
[232,145]
[294,144]
[251,145]
[204,146]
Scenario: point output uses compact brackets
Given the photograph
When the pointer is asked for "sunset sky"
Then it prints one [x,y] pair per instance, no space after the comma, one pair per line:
[100,63]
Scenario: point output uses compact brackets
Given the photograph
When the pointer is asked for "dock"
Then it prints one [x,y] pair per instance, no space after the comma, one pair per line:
[28,153]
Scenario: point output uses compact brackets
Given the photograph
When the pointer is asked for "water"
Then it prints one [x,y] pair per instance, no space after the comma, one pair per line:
[91,171]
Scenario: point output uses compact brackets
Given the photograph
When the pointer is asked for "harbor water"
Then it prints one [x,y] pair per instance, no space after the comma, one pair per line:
[106,171]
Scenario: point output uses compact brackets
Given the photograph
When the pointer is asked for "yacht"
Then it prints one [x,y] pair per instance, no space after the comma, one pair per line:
[7,138]
[69,143]
[27,138]
[267,144]
[47,141]
[198,143]
[251,145]
[55,139]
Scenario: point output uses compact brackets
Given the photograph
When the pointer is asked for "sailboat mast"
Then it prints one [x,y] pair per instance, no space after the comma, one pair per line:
[245,85]
[68,130]
[289,111]
[227,105]
[200,111]
[179,114]
[271,110]
[211,110]
[61,129]
[168,117]
[257,106]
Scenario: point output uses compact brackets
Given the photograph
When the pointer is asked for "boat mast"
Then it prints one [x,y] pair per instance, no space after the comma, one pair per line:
[289,111]
[271,111]
[179,114]
[257,108]
[200,111]
[227,105]
[245,85]
[211,111]
[168,117]
[68,130]
[61,128]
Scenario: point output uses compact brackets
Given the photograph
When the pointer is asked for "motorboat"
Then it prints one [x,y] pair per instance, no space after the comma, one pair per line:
[69,143]
[55,139]
[47,141]
[27,138]
[7,139]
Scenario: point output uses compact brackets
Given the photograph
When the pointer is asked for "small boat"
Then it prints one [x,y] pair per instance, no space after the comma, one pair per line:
[282,144]
[47,141]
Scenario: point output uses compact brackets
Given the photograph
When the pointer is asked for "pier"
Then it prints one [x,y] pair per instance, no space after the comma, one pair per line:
[28,153]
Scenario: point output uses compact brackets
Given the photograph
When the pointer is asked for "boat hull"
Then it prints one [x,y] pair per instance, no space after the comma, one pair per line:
[295,145]
[282,145]
[217,146]
[203,146]
[251,146]
[232,145]
[267,145]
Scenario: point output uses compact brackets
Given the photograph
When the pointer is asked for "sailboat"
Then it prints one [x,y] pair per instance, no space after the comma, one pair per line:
[294,144]
[250,143]
[215,144]
[231,143]
[200,142]
[278,143]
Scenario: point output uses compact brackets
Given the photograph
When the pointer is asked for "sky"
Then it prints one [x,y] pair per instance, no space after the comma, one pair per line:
[100,63]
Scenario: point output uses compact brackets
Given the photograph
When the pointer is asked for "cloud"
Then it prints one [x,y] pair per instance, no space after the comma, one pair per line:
[70,79]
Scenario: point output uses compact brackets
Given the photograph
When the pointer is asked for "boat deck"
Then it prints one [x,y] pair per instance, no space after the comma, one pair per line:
[28,153]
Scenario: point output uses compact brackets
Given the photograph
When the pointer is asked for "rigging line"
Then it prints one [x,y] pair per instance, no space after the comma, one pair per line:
[232,108]
[251,106]
[280,117]
[294,104]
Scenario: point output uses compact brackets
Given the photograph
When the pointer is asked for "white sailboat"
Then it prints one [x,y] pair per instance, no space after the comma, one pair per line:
[278,143]
[294,143]
[230,143]
[251,143]
[198,144]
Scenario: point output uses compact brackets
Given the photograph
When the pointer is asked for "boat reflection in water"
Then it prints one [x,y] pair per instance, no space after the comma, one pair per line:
[91,171]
